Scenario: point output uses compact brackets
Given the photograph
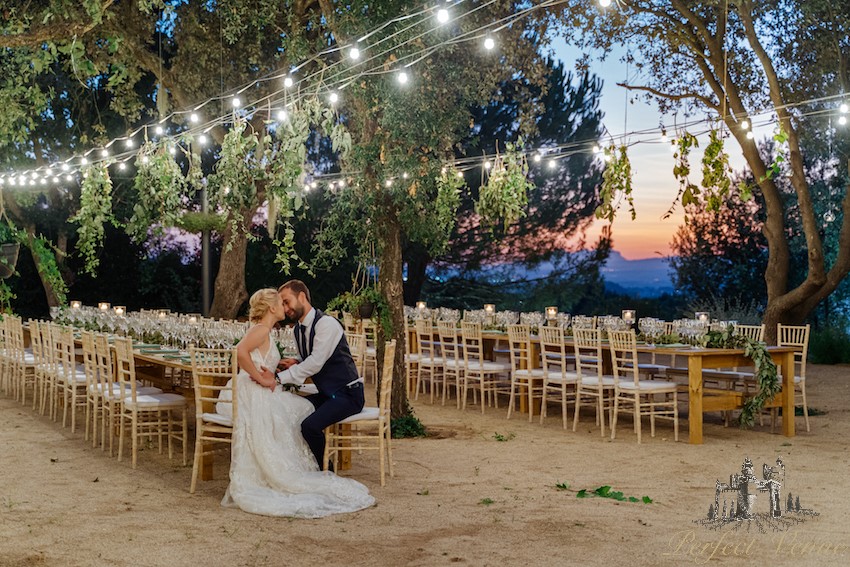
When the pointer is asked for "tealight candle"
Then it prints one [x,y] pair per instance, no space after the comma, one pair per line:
[76,304]
[629,316]
[420,305]
[701,316]
[192,319]
[551,313]
[489,308]
[103,306]
[162,313]
[120,310]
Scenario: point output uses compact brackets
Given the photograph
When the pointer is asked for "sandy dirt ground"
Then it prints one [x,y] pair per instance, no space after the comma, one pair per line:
[481,490]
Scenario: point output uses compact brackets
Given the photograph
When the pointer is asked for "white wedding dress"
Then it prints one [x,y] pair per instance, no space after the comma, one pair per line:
[272,471]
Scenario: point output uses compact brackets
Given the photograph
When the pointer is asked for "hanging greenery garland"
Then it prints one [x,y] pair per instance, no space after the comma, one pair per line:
[94,212]
[616,183]
[160,187]
[715,171]
[505,195]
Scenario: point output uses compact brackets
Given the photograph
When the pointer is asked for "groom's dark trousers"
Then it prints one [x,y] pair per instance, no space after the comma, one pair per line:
[329,410]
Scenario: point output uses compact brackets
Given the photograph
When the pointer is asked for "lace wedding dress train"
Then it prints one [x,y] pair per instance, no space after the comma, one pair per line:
[272,471]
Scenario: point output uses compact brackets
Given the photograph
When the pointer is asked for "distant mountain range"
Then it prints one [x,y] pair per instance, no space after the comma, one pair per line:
[649,277]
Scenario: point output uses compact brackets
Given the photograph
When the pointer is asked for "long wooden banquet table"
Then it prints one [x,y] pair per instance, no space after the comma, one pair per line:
[700,399]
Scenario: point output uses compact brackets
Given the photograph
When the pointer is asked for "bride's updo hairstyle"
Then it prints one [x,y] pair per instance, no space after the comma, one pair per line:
[260,303]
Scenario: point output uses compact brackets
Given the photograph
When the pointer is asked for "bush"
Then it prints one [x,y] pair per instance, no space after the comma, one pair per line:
[407,426]
[829,346]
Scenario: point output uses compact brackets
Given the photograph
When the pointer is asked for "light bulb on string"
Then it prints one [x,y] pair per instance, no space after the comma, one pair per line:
[673,146]
[333,98]
[354,53]
[750,135]
[44,181]
[442,15]
[537,158]
[49,172]
[287,82]
[460,174]
[145,159]
[487,165]
[341,183]
[402,78]
[404,175]
[193,118]
[842,120]
[65,167]
[281,115]
[129,143]
[122,166]
[306,187]
[104,153]
[172,150]
[745,125]
[388,183]
[844,108]
[55,180]
[664,136]
[604,3]
[489,43]
[314,184]
[236,102]
[552,164]
[83,161]
[202,139]
[158,131]
[596,149]
[69,177]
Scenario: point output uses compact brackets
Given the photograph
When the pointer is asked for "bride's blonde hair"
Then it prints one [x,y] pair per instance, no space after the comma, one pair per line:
[260,303]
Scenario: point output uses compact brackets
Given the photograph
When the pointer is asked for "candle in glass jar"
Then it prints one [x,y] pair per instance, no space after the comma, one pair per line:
[420,305]
[120,310]
[162,313]
[629,316]
[76,304]
[489,308]
[702,316]
[551,313]
[192,319]
[103,306]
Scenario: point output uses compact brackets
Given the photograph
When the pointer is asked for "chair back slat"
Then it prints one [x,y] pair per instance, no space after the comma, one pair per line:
[125,368]
[214,375]
[587,344]
[447,331]
[624,355]
[796,336]
[519,343]
[554,349]
[752,332]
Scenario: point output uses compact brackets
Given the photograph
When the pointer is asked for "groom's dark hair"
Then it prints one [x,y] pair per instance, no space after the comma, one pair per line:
[297,286]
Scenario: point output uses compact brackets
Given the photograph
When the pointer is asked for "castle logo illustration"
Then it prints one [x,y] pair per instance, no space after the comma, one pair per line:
[738,503]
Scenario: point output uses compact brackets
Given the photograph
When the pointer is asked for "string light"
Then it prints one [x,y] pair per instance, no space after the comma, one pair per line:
[745,125]
[552,164]
[306,187]
[388,183]
[65,167]
[664,135]
[287,82]
[145,159]
[596,149]
[537,158]
[281,115]
[122,166]
[158,130]
[843,108]
[104,153]
[487,165]
[354,53]
[193,118]
[202,139]
[489,43]
[402,78]
[333,98]
[129,143]
[750,135]
[172,150]
[236,102]
[55,180]
[83,161]
[842,120]
[604,3]
[69,177]
[442,15]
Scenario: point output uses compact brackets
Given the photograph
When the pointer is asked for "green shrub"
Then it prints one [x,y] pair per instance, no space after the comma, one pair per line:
[407,426]
[829,346]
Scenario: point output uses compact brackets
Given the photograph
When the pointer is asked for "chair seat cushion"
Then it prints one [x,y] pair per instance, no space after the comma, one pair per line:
[452,363]
[487,366]
[413,357]
[368,413]
[594,381]
[648,385]
[154,401]
[114,393]
[558,378]
[798,379]
[217,418]
[533,373]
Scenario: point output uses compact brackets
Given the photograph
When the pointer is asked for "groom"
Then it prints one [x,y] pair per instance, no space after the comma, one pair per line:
[323,354]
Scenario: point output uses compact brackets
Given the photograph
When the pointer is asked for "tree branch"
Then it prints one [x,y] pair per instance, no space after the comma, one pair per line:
[684,96]
[38,34]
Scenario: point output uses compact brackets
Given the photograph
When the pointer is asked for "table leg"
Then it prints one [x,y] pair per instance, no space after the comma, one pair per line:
[788,395]
[695,400]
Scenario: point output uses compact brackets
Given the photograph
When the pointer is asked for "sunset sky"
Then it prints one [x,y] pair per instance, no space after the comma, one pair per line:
[652,164]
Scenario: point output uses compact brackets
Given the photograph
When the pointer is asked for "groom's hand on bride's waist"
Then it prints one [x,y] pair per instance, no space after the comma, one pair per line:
[285,363]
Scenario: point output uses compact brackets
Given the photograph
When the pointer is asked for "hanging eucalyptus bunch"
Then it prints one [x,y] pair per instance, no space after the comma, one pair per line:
[160,188]
[715,171]
[94,212]
[616,183]
[504,197]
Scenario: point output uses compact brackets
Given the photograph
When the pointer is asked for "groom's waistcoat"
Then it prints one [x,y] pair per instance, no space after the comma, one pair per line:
[339,370]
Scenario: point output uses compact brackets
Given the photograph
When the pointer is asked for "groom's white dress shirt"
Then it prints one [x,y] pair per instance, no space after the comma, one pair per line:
[328,334]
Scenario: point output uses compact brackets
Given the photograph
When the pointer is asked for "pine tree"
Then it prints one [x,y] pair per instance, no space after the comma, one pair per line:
[712,512]
[797,504]
[789,503]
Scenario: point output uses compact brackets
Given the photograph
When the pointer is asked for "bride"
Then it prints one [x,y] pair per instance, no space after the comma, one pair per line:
[272,471]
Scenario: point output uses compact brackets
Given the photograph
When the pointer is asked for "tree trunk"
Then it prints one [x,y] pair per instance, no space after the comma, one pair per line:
[49,292]
[230,291]
[417,262]
[390,283]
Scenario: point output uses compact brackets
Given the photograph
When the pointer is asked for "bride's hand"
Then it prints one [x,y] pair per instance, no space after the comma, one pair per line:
[285,363]
[267,378]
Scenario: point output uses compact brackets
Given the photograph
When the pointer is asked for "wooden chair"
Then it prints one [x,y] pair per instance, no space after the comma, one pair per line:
[94,400]
[430,361]
[37,345]
[371,427]
[357,346]
[214,375]
[452,358]
[641,395]
[523,371]
[23,367]
[592,385]
[370,354]
[70,377]
[411,362]
[148,415]
[796,336]
[478,370]
[556,377]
